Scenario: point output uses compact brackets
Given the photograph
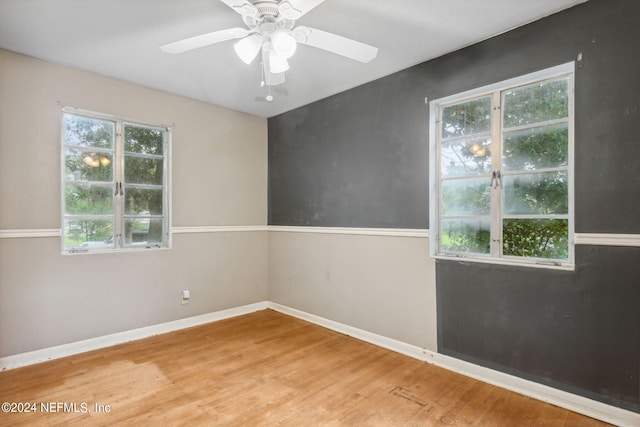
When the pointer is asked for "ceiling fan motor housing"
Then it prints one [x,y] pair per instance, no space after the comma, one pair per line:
[267,8]
[268,19]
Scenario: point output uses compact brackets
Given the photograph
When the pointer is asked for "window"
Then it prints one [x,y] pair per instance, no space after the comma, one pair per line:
[115,183]
[502,171]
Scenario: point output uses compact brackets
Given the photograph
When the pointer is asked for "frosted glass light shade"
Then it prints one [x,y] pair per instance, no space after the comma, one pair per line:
[247,48]
[283,43]
[277,63]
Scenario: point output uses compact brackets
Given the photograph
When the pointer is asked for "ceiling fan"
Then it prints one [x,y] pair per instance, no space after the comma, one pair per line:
[272,31]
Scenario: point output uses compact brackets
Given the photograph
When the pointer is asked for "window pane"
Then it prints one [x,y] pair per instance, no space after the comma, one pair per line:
[87,199]
[143,201]
[88,132]
[469,118]
[466,196]
[88,233]
[142,170]
[536,148]
[83,165]
[536,103]
[466,235]
[540,238]
[143,231]
[143,140]
[540,193]
[466,157]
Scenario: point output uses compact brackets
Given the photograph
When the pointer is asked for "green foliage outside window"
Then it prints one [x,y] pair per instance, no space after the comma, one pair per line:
[467,236]
[539,238]
[536,148]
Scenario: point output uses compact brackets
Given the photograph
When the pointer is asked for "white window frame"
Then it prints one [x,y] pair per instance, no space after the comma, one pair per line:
[118,177]
[495,90]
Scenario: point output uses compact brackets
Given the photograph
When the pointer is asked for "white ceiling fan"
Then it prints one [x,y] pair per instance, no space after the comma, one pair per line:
[272,31]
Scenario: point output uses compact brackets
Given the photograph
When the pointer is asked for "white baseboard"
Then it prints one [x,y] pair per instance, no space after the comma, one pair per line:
[573,402]
[563,399]
[579,404]
[56,352]
[379,340]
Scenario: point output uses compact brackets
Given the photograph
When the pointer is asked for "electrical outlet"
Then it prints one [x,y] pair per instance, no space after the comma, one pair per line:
[185,296]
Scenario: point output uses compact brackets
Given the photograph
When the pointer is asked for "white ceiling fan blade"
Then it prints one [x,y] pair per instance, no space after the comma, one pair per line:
[243,7]
[294,9]
[204,40]
[334,43]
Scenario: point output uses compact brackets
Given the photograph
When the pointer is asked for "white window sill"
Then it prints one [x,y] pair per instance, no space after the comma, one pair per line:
[115,251]
[566,266]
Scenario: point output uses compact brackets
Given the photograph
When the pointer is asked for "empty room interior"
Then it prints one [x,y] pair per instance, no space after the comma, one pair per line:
[308,212]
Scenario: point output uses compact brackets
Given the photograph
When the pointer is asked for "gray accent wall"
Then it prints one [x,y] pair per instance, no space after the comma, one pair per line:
[357,159]
[574,330]
[360,159]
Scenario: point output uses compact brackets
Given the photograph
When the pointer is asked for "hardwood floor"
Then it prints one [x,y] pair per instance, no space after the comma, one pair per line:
[263,368]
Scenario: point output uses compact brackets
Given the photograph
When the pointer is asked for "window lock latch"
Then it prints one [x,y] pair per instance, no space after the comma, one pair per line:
[496,179]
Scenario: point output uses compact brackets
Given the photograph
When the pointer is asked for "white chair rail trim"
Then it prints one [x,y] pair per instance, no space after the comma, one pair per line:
[594,239]
[29,233]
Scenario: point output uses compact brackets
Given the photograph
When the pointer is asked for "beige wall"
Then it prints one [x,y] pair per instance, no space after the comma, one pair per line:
[380,284]
[219,177]
[219,156]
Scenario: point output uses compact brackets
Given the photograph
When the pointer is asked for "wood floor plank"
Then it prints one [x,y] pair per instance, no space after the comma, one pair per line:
[263,368]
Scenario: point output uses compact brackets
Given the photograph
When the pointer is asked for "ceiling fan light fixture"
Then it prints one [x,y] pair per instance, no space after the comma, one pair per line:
[247,48]
[277,63]
[272,31]
[283,43]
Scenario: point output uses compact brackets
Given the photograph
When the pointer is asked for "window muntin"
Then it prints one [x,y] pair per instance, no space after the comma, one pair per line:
[503,171]
[115,183]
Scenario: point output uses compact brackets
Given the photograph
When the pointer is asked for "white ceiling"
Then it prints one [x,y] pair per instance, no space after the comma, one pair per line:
[120,38]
